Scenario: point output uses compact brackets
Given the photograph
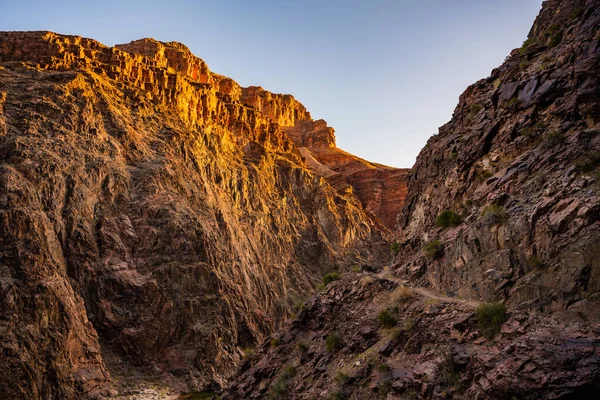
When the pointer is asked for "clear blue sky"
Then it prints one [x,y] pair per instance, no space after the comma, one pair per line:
[384,73]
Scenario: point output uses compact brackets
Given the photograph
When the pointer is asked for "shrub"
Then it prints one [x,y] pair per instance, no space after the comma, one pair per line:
[588,163]
[555,138]
[333,341]
[366,281]
[434,249]
[384,386]
[554,35]
[279,388]
[383,369]
[447,219]
[395,248]
[474,110]
[523,65]
[534,262]
[336,396]
[525,45]
[330,277]
[494,215]
[409,324]
[302,347]
[274,342]
[401,294]
[454,155]
[341,378]
[248,352]
[356,269]
[513,103]
[490,317]
[386,319]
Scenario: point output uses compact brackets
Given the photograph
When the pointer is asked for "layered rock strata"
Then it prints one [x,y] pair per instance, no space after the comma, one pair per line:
[146,207]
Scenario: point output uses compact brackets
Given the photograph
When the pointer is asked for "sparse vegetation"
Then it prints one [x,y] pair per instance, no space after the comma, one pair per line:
[588,162]
[554,35]
[447,219]
[453,155]
[383,368]
[434,249]
[274,342]
[384,387]
[395,248]
[525,45]
[490,317]
[356,269]
[523,65]
[409,324]
[401,294]
[494,215]
[366,281]
[534,262]
[513,103]
[336,396]
[474,109]
[386,319]
[484,175]
[341,378]
[330,277]
[554,138]
[449,371]
[333,341]
[279,388]
[248,352]
[302,347]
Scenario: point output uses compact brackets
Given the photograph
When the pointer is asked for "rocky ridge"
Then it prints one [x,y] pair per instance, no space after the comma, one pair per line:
[146,208]
[503,206]
[518,163]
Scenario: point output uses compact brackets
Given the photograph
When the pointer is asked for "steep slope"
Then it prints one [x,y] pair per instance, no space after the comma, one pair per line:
[519,163]
[516,170]
[144,207]
[381,189]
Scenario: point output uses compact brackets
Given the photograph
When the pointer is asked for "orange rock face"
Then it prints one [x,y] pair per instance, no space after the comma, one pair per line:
[156,208]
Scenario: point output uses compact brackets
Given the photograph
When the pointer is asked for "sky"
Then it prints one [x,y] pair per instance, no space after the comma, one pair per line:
[384,73]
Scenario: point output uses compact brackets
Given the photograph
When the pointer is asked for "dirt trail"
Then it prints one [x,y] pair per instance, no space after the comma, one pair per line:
[430,293]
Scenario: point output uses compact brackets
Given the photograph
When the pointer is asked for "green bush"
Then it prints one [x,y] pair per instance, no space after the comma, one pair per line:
[274,342]
[534,262]
[280,386]
[513,103]
[474,109]
[588,163]
[395,248]
[494,215]
[434,249]
[490,317]
[330,277]
[386,319]
[525,45]
[555,138]
[523,65]
[302,347]
[356,269]
[447,219]
[333,341]
[554,35]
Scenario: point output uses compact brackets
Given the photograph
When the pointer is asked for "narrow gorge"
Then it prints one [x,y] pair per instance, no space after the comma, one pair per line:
[166,233]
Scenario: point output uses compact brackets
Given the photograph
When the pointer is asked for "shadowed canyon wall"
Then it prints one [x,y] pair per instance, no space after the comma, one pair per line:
[154,207]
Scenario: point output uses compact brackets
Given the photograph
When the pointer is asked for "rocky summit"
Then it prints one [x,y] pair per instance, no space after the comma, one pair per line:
[168,234]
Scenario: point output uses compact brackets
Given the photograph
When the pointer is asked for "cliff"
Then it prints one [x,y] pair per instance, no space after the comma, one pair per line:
[152,210]
[494,291]
[518,163]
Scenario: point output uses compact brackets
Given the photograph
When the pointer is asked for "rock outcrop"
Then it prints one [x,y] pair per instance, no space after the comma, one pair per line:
[503,205]
[518,163]
[429,348]
[151,207]
[381,189]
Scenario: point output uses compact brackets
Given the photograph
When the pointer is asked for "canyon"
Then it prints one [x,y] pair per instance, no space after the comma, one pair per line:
[164,230]
[158,212]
